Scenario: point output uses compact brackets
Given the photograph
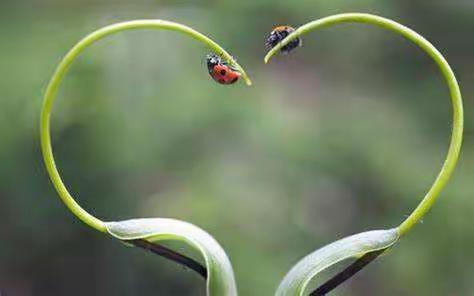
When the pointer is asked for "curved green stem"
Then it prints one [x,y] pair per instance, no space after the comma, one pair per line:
[456,100]
[61,71]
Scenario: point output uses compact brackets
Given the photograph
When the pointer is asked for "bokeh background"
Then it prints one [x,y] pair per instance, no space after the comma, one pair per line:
[344,135]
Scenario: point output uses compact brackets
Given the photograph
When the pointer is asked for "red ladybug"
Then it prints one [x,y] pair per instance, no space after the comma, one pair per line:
[278,34]
[220,71]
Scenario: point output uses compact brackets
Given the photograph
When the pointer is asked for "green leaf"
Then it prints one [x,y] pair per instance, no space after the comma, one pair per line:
[298,278]
[220,276]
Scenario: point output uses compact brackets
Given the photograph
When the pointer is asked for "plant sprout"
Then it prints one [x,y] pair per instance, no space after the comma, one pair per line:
[152,233]
[144,233]
[367,246]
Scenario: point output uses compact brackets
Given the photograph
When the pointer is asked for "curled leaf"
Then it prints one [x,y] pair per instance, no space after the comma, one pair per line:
[148,233]
[364,246]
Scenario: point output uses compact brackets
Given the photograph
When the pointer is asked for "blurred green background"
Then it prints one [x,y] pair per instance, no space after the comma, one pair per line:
[344,135]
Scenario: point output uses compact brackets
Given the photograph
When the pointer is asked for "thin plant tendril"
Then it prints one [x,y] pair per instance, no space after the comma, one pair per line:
[61,71]
[457,126]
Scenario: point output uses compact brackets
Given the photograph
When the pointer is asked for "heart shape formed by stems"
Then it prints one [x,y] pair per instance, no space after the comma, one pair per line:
[150,234]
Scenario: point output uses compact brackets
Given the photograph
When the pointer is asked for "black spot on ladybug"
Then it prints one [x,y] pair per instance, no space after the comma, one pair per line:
[223,72]
[221,81]
[234,80]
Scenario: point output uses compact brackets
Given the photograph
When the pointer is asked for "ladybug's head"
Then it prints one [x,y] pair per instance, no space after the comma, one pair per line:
[213,60]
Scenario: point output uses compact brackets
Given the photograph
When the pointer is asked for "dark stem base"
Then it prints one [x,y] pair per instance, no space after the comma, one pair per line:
[346,274]
[171,255]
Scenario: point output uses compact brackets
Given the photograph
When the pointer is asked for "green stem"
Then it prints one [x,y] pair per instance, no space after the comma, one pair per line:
[61,71]
[456,100]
